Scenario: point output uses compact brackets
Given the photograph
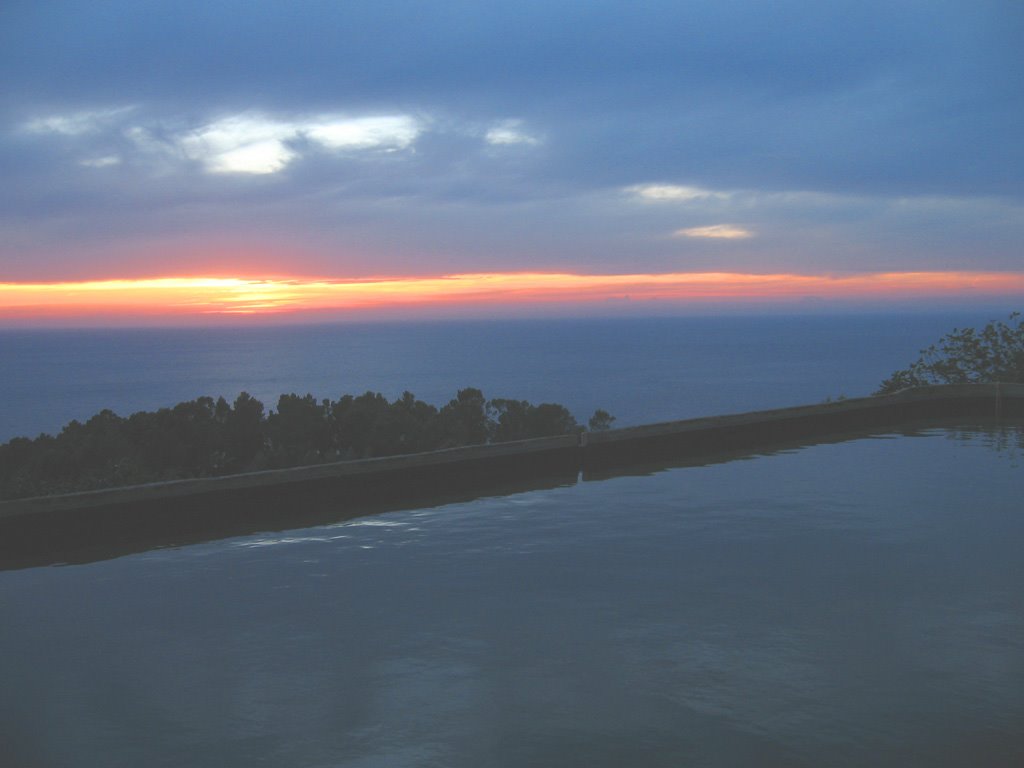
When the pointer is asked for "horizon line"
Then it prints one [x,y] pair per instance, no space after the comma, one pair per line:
[195,297]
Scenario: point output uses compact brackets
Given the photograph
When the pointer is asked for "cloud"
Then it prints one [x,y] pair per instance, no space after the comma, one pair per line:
[388,132]
[660,193]
[510,132]
[241,144]
[407,139]
[101,162]
[77,123]
[715,231]
[249,143]
[261,145]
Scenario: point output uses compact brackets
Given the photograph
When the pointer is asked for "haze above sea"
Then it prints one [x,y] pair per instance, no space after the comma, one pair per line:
[640,369]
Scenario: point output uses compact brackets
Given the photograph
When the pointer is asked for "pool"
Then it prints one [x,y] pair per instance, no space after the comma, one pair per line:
[853,603]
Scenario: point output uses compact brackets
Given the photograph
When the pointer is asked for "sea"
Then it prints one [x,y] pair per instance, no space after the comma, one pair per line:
[641,370]
[847,603]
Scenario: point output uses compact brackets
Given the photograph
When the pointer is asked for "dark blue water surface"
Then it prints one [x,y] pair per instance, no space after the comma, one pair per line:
[848,604]
[642,370]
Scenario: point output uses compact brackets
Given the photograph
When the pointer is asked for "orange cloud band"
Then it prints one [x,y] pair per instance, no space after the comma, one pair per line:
[199,296]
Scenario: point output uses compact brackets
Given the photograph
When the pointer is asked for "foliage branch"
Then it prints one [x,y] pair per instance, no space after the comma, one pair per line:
[967,356]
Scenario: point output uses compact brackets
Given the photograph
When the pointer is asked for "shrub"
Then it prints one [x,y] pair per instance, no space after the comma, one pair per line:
[967,356]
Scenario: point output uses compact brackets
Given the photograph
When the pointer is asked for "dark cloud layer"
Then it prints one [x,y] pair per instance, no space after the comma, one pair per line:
[841,136]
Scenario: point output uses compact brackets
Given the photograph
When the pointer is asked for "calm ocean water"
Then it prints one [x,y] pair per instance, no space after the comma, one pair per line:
[847,604]
[641,370]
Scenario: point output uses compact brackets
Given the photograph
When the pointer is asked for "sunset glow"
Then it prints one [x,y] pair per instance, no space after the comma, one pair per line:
[209,296]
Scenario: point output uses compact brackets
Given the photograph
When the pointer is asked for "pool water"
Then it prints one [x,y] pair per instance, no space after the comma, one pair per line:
[846,604]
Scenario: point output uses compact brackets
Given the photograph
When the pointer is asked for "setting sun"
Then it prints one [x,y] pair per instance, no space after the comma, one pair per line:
[209,296]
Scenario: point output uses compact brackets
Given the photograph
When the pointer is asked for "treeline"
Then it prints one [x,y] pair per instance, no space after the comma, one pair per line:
[207,437]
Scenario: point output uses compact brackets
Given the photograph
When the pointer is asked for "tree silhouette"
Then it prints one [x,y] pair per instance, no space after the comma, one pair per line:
[464,420]
[243,431]
[204,437]
[299,431]
[967,356]
[600,421]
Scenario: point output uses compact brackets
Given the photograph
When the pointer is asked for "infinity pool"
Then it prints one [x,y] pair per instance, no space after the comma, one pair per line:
[847,604]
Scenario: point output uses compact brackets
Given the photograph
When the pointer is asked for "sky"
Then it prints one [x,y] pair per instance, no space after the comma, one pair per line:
[546,154]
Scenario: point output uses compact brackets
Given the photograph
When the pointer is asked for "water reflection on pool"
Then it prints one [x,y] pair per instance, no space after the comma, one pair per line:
[859,603]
